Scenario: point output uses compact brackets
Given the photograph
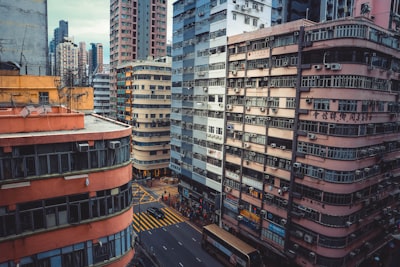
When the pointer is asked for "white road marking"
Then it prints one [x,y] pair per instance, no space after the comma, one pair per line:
[194,239]
[180,264]
[198,259]
[180,243]
[150,233]
[164,247]
[164,229]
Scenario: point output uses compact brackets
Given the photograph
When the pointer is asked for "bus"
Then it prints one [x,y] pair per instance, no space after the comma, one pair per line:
[228,248]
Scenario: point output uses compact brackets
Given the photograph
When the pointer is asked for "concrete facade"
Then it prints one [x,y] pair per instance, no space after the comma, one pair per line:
[138,29]
[312,146]
[144,101]
[69,201]
[23,40]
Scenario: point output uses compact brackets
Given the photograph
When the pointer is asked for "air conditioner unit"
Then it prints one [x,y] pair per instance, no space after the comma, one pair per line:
[285,189]
[82,147]
[317,67]
[308,239]
[273,145]
[229,107]
[367,169]
[327,66]
[320,170]
[114,144]
[312,255]
[253,135]
[263,212]
[262,109]
[282,147]
[248,108]
[297,165]
[234,72]
[228,189]
[236,90]
[268,118]
[239,217]
[274,110]
[246,145]
[283,221]
[205,89]
[348,223]
[309,100]
[312,136]
[359,195]
[336,66]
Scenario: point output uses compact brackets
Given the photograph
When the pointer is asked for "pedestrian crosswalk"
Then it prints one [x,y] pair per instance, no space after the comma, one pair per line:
[143,221]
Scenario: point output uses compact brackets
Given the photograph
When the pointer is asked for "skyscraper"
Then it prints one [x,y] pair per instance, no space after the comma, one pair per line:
[96,58]
[23,40]
[137,30]
[67,62]
[83,64]
[59,34]
[200,31]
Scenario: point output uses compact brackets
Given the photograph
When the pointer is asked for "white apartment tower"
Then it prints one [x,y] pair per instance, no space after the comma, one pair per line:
[200,32]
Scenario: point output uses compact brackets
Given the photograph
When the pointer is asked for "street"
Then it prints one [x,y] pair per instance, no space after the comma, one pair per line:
[171,241]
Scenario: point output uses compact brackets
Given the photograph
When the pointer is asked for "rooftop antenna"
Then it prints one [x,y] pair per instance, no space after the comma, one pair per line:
[22,52]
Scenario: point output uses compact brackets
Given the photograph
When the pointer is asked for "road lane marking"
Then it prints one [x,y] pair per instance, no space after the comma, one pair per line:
[194,239]
[198,259]
[164,247]
[180,264]
[180,243]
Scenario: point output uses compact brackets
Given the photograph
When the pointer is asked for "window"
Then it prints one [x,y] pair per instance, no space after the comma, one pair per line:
[43,98]
[247,20]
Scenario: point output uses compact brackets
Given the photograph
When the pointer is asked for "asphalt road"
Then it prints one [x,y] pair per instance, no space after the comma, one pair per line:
[177,245]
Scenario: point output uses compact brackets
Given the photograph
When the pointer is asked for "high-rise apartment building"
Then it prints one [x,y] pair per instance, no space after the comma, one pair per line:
[67,62]
[144,101]
[300,127]
[312,146]
[59,34]
[101,89]
[23,40]
[96,58]
[200,31]
[137,30]
[83,64]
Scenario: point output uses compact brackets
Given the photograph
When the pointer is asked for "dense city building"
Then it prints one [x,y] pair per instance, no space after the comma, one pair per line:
[144,101]
[67,62]
[83,64]
[59,34]
[65,183]
[100,83]
[200,30]
[96,58]
[138,29]
[24,45]
[309,175]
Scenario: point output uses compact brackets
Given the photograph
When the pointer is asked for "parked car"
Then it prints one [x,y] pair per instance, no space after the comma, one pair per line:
[156,213]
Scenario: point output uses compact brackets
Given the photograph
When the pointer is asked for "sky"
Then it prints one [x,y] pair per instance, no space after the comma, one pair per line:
[88,21]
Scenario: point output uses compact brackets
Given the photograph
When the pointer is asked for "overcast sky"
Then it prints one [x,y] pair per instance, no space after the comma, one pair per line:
[88,21]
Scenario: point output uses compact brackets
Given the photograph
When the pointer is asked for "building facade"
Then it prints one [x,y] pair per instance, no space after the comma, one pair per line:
[67,62]
[24,45]
[83,64]
[144,101]
[311,155]
[96,58]
[200,30]
[65,189]
[137,30]
[101,85]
